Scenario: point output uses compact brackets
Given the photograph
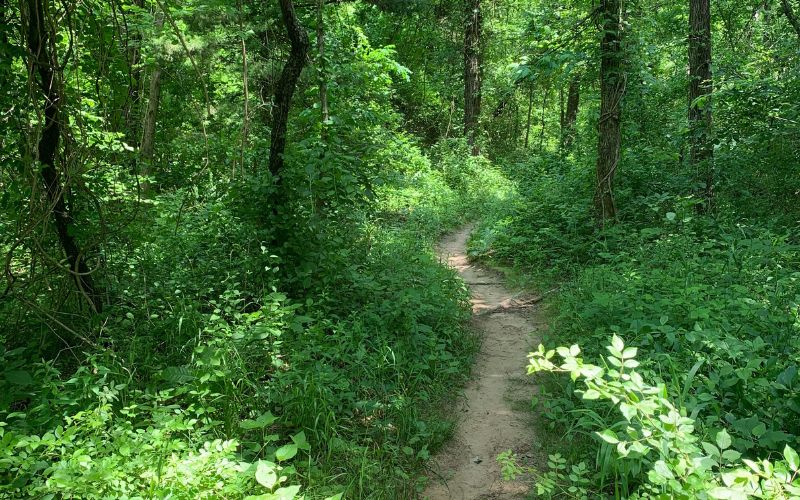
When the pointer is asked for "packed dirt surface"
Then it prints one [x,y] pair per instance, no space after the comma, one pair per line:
[493,415]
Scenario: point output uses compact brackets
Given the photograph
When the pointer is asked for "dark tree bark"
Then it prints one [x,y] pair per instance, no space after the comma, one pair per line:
[4,27]
[286,85]
[571,113]
[788,11]
[472,73]
[544,118]
[701,153]
[612,89]
[245,97]
[323,78]
[42,60]
[148,144]
[530,116]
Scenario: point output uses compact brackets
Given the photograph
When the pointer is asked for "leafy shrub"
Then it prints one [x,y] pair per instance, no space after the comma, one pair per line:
[656,439]
[710,302]
[150,447]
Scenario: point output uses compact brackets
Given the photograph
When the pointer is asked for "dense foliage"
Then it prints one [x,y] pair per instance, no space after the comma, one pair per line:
[246,334]
[217,222]
[710,299]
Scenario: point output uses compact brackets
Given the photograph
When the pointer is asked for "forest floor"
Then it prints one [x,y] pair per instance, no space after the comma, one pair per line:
[494,414]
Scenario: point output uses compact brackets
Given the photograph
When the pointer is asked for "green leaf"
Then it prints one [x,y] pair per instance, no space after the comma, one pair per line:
[608,436]
[628,411]
[630,363]
[710,449]
[753,465]
[723,440]
[266,475]
[287,493]
[300,440]
[671,216]
[259,423]
[731,455]
[638,447]
[591,394]
[726,494]
[617,343]
[662,469]
[286,452]
[791,458]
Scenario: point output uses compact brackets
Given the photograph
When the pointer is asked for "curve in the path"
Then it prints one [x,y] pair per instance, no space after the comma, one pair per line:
[492,415]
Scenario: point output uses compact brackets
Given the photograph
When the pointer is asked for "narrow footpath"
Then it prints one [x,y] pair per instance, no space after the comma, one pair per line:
[493,415]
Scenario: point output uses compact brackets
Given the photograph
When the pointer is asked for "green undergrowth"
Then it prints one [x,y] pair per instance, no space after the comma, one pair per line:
[226,370]
[711,304]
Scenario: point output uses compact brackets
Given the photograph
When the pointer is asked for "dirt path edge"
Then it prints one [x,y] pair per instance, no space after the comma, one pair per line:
[492,416]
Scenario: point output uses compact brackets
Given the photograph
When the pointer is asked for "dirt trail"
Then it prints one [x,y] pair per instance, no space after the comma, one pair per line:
[493,415]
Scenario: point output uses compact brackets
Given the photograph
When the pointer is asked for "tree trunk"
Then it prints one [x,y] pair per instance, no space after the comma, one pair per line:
[788,11]
[147,147]
[571,114]
[701,153]
[5,27]
[43,60]
[472,73]
[544,116]
[530,115]
[323,82]
[245,97]
[561,112]
[286,85]
[612,88]
[3,21]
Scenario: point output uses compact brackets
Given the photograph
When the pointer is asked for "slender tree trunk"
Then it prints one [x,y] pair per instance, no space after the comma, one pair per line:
[4,29]
[148,144]
[701,154]
[286,85]
[571,114]
[472,73]
[246,96]
[42,59]
[323,81]
[544,116]
[3,22]
[788,11]
[319,204]
[561,114]
[530,115]
[612,89]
